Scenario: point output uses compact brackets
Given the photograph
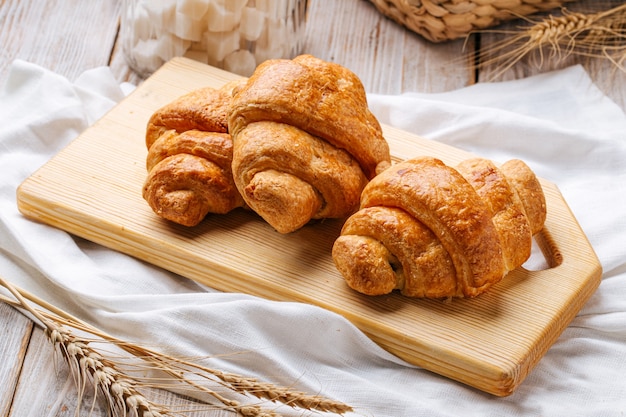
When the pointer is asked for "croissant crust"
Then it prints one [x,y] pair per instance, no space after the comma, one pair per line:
[205,109]
[321,98]
[305,142]
[430,230]
[289,177]
[189,159]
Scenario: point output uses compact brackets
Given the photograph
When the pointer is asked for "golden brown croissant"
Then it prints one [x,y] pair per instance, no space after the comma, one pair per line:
[189,158]
[204,109]
[430,230]
[305,142]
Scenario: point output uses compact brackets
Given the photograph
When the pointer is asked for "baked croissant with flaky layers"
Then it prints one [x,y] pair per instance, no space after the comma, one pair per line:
[433,231]
[189,158]
[305,141]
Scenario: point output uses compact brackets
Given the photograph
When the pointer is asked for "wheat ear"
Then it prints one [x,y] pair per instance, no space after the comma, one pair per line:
[85,364]
[595,35]
[120,390]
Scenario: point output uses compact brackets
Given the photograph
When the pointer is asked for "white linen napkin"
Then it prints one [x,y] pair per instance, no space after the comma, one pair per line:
[559,123]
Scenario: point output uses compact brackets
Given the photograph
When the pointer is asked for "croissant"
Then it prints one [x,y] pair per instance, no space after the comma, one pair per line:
[189,158]
[433,231]
[304,141]
[205,109]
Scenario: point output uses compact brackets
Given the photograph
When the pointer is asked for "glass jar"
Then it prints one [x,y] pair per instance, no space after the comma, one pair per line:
[235,35]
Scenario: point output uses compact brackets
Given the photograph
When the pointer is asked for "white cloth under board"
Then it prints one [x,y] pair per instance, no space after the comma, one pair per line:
[558,122]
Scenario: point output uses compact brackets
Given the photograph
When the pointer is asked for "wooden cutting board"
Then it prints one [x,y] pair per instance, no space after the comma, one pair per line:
[92,189]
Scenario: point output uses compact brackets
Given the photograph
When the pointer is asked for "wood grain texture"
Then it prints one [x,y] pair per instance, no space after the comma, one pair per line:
[37,379]
[387,58]
[65,36]
[15,331]
[491,342]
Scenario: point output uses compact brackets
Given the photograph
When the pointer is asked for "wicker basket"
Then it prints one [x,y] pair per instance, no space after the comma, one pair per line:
[442,20]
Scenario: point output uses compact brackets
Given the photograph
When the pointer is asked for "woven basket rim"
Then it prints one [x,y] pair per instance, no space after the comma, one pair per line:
[443,20]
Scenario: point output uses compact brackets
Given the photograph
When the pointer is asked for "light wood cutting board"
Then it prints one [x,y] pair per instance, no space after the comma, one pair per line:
[92,189]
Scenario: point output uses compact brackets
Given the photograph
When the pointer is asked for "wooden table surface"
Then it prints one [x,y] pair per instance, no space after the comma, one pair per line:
[69,37]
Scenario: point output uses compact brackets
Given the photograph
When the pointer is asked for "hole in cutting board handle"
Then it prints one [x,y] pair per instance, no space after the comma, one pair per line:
[545,253]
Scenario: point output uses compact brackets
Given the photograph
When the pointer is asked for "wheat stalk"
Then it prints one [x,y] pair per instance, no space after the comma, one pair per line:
[118,389]
[122,392]
[594,35]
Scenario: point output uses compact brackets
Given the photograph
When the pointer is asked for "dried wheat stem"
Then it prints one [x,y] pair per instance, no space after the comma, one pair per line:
[554,29]
[600,34]
[180,368]
[285,396]
[164,363]
[118,389]
[86,364]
